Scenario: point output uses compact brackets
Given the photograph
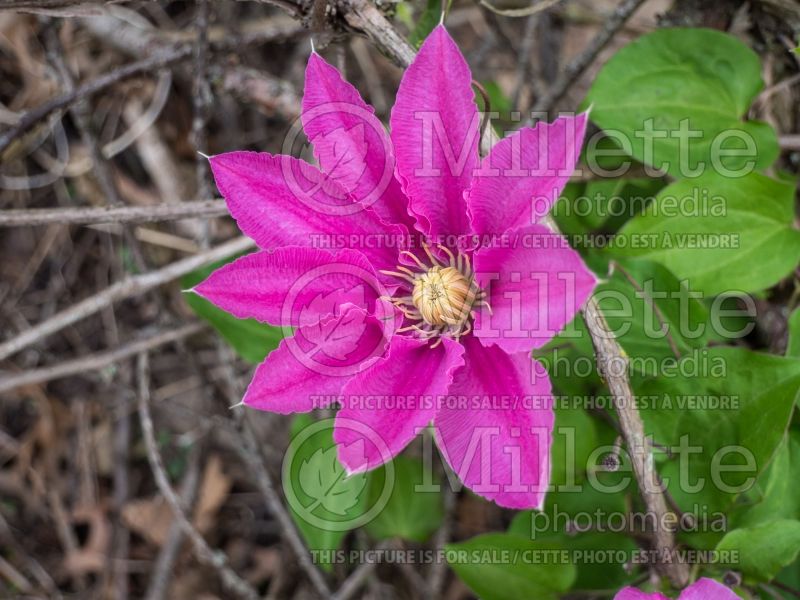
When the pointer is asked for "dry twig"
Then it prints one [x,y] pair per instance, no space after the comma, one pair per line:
[580,63]
[278,30]
[126,288]
[98,361]
[213,558]
[162,574]
[250,453]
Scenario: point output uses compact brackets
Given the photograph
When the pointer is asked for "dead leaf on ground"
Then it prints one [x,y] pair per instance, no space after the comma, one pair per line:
[213,492]
[92,556]
[152,517]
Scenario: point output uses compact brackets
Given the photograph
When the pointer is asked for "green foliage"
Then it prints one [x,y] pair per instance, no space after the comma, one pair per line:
[764,549]
[602,204]
[498,101]
[324,480]
[410,513]
[426,22]
[777,492]
[701,77]
[652,313]
[549,528]
[322,499]
[793,345]
[250,339]
[730,443]
[755,223]
[501,566]
[574,439]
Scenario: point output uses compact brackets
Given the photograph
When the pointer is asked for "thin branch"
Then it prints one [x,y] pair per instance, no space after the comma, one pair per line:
[121,456]
[14,577]
[364,16]
[200,106]
[786,588]
[580,63]
[355,581]
[64,101]
[92,215]
[101,360]
[358,578]
[126,288]
[250,453]
[521,12]
[790,142]
[254,459]
[49,4]
[523,73]
[610,356]
[160,578]
[269,93]
[213,558]
[646,297]
[278,30]
[438,570]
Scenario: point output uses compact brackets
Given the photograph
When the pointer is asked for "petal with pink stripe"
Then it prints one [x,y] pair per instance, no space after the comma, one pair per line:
[309,370]
[535,286]
[393,400]
[434,128]
[496,429]
[350,143]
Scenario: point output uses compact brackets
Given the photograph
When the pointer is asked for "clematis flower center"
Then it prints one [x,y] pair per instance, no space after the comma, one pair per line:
[443,296]
[440,297]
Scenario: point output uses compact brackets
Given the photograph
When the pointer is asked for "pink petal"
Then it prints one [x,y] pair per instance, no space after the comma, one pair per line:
[535,285]
[309,370]
[372,426]
[282,201]
[350,143]
[435,133]
[707,589]
[630,593]
[496,430]
[524,174]
[293,286]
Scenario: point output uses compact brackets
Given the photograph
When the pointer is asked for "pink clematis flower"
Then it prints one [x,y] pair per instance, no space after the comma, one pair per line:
[702,589]
[415,273]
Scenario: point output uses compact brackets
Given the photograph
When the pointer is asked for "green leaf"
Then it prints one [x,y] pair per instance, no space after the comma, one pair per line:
[602,204]
[748,220]
[498,101]
[322,500]
[324,480]
[500,566]
[793,345]
[569,360]
[670,75]
[251,340]
[547,528]
[652,314]
[574,439]
[426,23]
[763,550]
[777,492]
[731,408]
[410,513]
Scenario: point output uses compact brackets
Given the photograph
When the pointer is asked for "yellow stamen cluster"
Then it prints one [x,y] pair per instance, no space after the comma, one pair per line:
[442,296]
